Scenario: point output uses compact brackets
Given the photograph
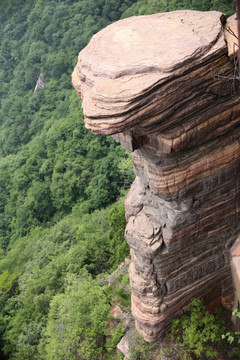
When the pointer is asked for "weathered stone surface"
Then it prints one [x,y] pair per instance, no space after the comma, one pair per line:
[127,343]
[136,63]
[39,84]
[162,84]
[235,263]
[231,35]
[118,314]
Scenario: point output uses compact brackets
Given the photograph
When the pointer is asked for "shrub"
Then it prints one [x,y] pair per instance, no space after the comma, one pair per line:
[197,332]
[233,338]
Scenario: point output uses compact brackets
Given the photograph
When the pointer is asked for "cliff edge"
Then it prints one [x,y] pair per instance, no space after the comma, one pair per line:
[164,86]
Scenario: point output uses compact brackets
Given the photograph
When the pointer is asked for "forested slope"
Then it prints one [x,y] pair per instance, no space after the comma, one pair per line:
[59,226]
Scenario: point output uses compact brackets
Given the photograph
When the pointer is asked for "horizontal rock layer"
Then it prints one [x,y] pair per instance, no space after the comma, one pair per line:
[163,85]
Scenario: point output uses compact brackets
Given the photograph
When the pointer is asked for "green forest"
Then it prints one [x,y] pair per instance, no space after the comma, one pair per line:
[62,189]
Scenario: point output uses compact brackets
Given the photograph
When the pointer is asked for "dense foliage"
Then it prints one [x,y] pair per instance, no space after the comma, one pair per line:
[142,7]
[49,161]
[59,228]
[56,269]
[197,332]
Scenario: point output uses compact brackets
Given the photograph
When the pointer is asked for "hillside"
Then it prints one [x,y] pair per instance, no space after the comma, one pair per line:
[61,223]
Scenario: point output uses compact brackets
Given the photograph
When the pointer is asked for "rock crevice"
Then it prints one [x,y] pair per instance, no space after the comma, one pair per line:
[162,85]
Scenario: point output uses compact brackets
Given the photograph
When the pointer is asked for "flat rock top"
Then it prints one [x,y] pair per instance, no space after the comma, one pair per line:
[159,42]
[145,56]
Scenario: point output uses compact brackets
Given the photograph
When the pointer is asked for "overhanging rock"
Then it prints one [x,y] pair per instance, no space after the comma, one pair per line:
[163,86]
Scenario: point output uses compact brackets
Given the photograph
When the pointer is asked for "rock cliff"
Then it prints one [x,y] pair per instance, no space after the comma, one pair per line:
[163,85]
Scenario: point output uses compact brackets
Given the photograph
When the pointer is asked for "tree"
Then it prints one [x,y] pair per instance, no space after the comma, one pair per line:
[226,6]
[119,248]
[69,336]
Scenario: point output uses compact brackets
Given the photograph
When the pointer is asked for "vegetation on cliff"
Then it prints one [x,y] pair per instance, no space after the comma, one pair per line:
[60,224]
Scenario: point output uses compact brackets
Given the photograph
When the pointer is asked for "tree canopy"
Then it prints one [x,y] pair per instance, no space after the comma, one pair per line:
[61,218]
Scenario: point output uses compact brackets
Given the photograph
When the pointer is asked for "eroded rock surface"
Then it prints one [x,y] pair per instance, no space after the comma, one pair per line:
[39,84]
[162,85]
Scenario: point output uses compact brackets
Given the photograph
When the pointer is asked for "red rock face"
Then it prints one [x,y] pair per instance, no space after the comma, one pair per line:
[162,85]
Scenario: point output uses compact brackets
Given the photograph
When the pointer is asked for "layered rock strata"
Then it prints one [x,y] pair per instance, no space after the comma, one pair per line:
[163,86]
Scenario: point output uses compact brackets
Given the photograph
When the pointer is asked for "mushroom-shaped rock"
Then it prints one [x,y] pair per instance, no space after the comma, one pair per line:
[162,85]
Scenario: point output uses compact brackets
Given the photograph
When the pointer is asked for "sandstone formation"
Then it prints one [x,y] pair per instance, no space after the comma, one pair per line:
[163,85]
[235,262]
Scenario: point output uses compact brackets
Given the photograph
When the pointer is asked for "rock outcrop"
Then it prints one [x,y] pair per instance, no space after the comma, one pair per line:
[235,262]
[39,84]
[163,86]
